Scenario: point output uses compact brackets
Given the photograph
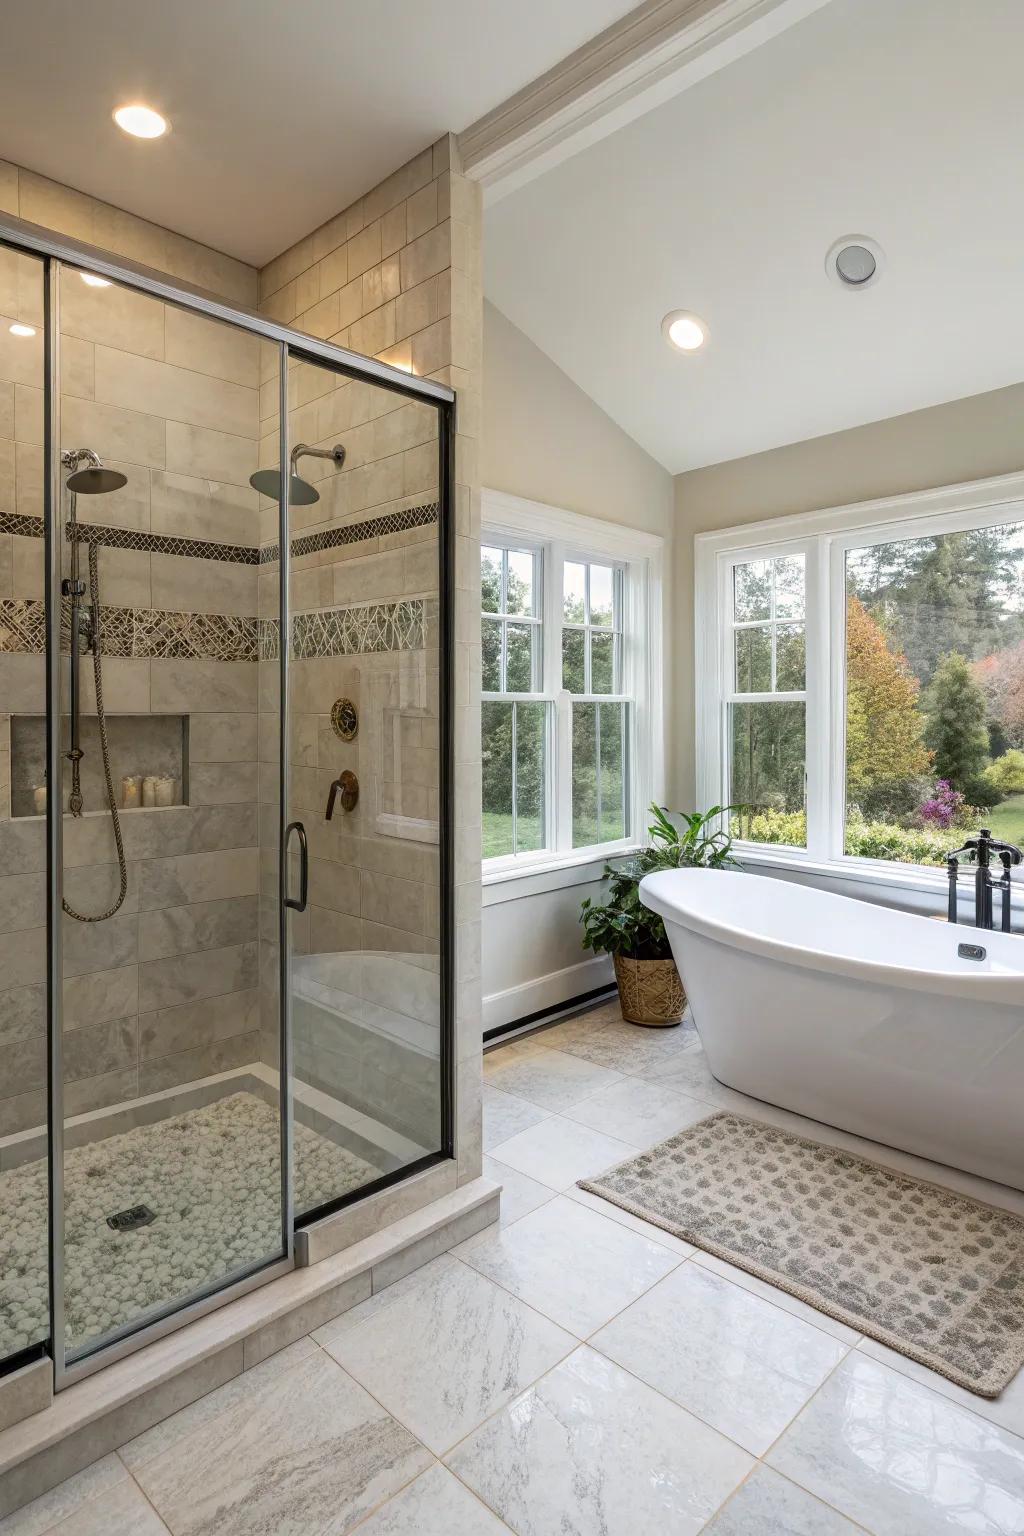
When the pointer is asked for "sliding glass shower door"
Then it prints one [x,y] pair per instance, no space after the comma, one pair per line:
[170,1157]
[225,843]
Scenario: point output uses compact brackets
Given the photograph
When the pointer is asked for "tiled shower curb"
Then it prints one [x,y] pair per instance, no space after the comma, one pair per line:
[96,1415]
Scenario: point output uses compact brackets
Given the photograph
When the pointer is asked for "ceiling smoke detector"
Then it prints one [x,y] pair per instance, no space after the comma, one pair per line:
[855,261]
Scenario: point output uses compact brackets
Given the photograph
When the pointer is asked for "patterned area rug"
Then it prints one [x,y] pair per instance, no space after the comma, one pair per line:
[930,1273]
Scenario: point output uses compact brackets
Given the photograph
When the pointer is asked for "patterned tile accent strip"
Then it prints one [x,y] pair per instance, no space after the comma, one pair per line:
[371,628]
[353,533]
[139,633]
[240,554]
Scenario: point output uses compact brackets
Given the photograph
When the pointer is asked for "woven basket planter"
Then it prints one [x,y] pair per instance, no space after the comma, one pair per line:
[650,991]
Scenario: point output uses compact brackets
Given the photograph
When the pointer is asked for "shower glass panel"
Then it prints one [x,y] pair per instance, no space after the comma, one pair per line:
[24,1199]
[225,794]
[365,698]
[172,1145]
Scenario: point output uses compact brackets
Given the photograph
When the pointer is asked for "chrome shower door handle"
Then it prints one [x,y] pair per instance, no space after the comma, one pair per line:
[298,904]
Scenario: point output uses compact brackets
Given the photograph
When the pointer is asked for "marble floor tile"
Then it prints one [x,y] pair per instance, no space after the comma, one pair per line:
[1006,1410]
[450,1353]
[552,1079]
[575,1266]
[124,1511]
[591,1451]
[240,1389]
[627,1219]
[777,1297]
[558,1152]
[427,1275]
[901,1459]
[639,1112]
[770,1505]
[42,1514]
[558,1037]
[688,1072]
[506,1116]
[436,1504]
[632,1048]
[519,1194]
[740,1364]
[308,1450]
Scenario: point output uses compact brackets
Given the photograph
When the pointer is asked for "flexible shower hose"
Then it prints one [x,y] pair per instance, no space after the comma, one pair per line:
[75,801]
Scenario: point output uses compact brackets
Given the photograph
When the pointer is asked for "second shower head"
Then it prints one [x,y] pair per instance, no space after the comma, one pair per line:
[300,492]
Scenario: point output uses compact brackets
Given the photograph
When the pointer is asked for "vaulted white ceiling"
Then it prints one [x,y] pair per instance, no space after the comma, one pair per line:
[898,119]
[282,111]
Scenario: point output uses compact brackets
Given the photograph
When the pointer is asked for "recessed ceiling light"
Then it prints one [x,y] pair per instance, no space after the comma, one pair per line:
[17,329]
[94,281]
[142,122]
[855,261]
[684,330]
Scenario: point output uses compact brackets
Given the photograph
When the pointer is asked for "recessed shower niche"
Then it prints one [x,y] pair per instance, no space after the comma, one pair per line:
[142,747]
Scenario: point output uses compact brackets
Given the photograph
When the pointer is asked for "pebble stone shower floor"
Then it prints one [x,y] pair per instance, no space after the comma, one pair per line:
[211,1176]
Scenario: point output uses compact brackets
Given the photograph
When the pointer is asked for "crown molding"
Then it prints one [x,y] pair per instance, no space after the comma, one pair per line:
[650,55]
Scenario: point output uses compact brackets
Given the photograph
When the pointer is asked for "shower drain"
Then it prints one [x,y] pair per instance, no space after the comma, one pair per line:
[130,1220]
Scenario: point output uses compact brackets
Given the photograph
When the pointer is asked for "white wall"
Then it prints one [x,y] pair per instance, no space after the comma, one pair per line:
[544,439]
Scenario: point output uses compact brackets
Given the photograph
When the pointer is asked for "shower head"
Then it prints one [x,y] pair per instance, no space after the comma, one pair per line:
[94,479]
[300,492]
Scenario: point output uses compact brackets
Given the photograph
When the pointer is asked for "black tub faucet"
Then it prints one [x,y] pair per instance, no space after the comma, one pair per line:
[980,851]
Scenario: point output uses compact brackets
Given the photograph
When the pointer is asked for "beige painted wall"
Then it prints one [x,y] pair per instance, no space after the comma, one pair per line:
[963,440]
[546,440]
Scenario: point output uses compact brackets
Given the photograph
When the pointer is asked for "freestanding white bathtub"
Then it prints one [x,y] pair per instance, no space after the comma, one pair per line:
[855,1015]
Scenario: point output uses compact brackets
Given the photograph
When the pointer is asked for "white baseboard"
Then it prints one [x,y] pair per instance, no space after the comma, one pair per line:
[545,992]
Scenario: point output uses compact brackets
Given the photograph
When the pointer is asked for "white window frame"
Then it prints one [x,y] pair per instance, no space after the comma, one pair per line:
[824,538]
[560,536]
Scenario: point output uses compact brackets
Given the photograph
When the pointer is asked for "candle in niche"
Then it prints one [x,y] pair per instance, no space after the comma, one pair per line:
[131,791]
[165,791]
[149,789]
[39,799]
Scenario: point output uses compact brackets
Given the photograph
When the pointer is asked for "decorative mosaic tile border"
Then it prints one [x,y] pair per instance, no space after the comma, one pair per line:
[141,633]
[354,533]
[361,631]
[238,554]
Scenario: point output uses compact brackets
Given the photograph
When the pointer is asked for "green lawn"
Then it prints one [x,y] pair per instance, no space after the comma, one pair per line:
[497,839]
[1006,820]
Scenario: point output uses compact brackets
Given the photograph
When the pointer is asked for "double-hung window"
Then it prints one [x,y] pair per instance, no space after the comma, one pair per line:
[570,717]
[860,680]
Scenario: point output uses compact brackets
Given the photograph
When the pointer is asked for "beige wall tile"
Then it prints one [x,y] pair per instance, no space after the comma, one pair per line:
[184,584]
[115,316]
[8,187]
[422,211]
[426,256]
[208,346]
[189,507]
[182,686]
[177,394]
[209,455]
[114,433]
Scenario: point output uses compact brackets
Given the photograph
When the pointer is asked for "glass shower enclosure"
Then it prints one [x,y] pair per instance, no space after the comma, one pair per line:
[225,830]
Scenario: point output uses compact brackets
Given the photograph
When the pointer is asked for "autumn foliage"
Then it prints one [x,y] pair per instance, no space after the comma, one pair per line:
[884,726]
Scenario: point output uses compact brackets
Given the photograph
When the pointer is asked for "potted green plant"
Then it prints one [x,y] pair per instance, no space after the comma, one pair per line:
[650,988]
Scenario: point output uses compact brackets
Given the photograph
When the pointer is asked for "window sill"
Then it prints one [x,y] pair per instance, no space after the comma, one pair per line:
[877,878]
[548,872]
